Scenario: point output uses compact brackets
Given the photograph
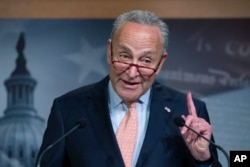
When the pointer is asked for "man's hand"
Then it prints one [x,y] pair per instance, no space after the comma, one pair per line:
[197,145]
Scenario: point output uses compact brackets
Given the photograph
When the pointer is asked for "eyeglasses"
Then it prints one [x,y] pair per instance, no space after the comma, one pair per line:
[122,66]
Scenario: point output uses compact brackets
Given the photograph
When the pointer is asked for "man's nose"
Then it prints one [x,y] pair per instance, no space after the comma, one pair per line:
[132,71]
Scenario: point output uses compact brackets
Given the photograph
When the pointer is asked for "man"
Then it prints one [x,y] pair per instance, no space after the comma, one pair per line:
[129,115]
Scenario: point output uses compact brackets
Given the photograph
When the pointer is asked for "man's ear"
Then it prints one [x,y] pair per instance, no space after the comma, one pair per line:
[109,47]
[163,59]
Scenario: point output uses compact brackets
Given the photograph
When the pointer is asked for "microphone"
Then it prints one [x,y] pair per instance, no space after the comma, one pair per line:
[180,122]
[81,123]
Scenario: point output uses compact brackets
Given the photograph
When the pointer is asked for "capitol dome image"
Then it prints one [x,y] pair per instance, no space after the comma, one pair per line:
[21,127]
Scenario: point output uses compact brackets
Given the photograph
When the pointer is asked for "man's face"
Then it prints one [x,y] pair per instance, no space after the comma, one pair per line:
[137,44]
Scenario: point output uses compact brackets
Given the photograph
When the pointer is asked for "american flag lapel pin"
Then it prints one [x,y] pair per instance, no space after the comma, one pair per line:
[167,109]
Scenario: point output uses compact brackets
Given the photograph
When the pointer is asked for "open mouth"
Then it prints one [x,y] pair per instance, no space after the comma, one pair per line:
[131,85]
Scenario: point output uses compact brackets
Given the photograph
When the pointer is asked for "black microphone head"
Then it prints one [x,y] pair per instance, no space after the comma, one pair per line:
[179,121]
[82,123]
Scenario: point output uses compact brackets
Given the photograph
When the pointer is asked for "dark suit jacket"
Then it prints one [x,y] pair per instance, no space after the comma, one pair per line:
[96,145]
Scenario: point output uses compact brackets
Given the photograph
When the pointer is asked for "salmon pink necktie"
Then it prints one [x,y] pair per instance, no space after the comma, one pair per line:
[126,135]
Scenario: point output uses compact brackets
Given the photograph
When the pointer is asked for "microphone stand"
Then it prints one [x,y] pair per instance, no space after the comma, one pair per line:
[80,124]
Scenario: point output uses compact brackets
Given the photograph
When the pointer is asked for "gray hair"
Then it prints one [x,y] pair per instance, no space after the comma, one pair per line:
[143,17]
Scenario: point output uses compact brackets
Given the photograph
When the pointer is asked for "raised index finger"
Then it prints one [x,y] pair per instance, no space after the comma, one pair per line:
[190,105]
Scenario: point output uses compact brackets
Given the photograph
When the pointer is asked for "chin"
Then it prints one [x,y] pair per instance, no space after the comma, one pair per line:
[129,97]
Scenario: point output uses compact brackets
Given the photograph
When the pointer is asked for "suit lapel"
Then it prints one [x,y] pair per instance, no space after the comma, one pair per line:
[160,114]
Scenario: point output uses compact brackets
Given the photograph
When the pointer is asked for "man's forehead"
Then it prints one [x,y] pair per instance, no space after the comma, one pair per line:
[129,25]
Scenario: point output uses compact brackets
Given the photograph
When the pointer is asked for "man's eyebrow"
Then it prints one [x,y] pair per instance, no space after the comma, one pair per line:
[123,47]
[144,53]
[148,53]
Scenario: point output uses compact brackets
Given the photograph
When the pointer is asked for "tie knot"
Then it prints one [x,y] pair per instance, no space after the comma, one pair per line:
[132,105]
